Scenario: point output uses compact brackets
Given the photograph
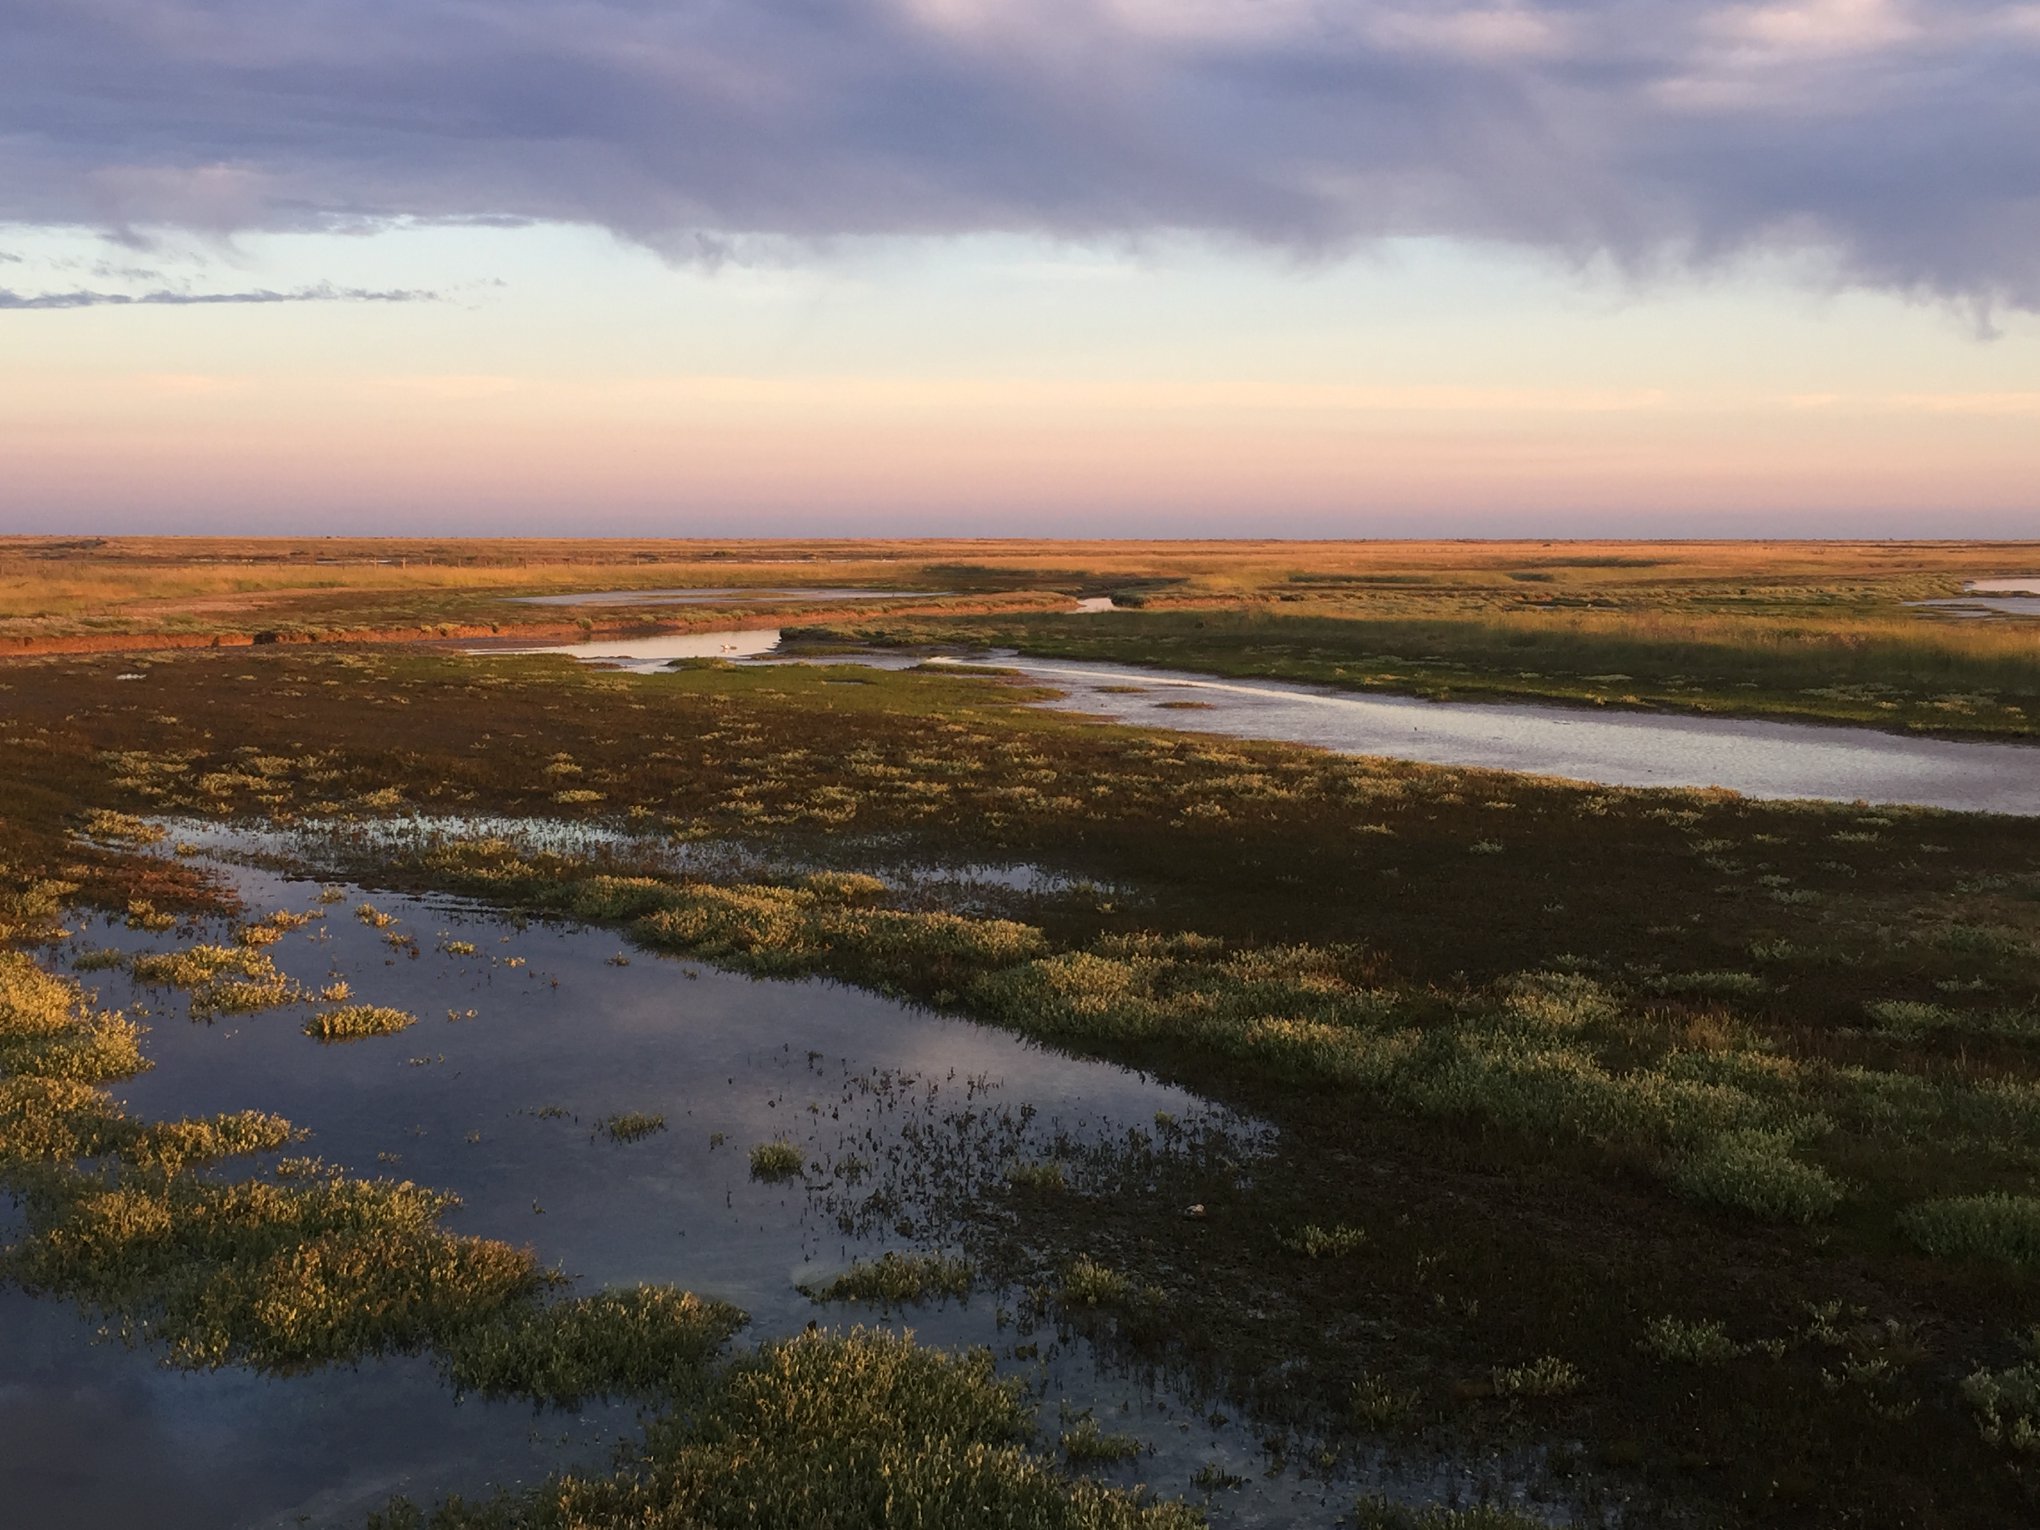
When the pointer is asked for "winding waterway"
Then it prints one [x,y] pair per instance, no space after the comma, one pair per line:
[1614,748]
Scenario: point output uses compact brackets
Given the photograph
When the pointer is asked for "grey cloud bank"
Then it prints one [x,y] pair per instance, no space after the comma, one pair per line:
[1897,139]
[27,302]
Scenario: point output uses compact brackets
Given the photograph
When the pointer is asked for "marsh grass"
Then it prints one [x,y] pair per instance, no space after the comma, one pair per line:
[1754,1171]
[1556,1056]
[1381,1514]
[355,1022]
[1336,1242]
[1086,1443]
[647,1341]
[632,1126]
[1995,1226]
[1378,1407]
[1546,1376]
[858,1429]
[2007,1401]
[777,1160]
[1696,1342]
[277,1274]
[1046,1177]
[49,1030]
[897,1279]
[221,980]
[1087,1283]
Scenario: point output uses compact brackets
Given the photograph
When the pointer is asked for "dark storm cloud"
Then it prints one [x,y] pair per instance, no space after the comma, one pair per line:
[24,302]
[1899,137]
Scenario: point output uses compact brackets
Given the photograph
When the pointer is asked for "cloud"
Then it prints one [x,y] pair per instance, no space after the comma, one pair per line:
[1899,140]
[20,301]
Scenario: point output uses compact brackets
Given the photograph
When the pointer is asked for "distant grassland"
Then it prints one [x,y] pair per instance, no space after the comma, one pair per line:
[145,584]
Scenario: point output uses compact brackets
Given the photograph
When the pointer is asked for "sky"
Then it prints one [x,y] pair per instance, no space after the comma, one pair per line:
[1056,267]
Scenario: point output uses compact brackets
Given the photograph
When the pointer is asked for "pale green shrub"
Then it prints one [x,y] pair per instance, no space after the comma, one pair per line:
[1754,1171]
[1702,1342]
[1087,1283]
[2007,1405]
[1335,1242]
[1993,1226]
[777,1160]
[1546,1376]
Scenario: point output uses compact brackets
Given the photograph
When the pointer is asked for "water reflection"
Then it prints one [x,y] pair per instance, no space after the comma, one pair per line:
[98,1434]
[530,1035]
[642,655]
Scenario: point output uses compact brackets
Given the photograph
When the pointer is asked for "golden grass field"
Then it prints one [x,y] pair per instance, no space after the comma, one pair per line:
[55,580]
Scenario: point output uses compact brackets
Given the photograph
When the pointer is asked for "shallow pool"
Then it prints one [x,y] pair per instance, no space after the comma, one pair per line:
[530,1035]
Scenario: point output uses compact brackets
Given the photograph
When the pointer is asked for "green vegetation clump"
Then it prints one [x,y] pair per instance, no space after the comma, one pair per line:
[648,1341]
[1993,1226]
[1042,1178]
[632,1126]
[1546,1376]
[1085,1443]
[1378,1407]
[777,1160]
[1712,985]
[222,980]
[897,1279]
[1380,1514]
[786,930]
[45,1120]
[1754,1172]
[104,823]
[281,1275]
[1917,1018]
[2007,1402]
[353,1022]
[1335,1242]
[1701,1342]
[1087,1283]
[47,1029]
[822,1429]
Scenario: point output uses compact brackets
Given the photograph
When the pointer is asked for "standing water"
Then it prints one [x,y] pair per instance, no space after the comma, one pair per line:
[529,1037]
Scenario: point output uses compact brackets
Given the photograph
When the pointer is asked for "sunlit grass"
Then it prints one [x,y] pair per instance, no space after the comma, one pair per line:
[354,1022]
[896,1279]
